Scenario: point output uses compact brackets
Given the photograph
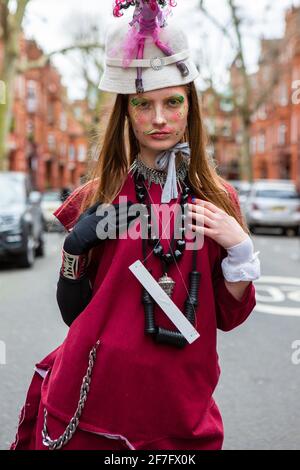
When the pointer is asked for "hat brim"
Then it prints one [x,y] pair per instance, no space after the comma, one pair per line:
[122,80]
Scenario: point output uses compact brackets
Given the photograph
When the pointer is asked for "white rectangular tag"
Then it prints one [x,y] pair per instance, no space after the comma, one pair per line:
[164,301]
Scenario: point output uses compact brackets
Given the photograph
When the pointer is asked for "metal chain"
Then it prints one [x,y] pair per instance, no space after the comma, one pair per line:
[56,444]
[158,176]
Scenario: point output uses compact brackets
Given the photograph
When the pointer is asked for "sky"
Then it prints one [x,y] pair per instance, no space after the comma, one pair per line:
[51,23]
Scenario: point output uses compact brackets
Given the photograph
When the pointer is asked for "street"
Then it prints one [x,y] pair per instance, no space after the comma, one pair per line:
[258,392]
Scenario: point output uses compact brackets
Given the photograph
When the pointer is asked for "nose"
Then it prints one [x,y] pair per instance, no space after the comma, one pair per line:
[159,117]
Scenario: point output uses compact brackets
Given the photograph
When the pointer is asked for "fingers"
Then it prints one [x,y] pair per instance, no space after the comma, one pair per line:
[203,230]
[202,219]
[208,205]
[197,209]
[202,213]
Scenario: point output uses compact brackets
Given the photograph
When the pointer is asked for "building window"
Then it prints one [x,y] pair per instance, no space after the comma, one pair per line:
[226,128]
[29,127]
[262,114]
[50,113]
[239,137]
[210,125]
[78,113]
[63,149]
[81,153]
[283,95]
[51,141]
[253,144]
[282,134]
[63,121]
[261,144]
[71,153]
[31,96]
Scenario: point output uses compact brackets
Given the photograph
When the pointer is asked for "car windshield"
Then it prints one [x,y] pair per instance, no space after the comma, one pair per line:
[51,196]
[11,191]
[277,193]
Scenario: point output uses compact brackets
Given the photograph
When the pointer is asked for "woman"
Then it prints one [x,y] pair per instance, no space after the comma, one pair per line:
[125,377]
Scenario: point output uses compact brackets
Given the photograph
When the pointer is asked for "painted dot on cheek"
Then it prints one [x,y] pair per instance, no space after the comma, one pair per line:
[174,117]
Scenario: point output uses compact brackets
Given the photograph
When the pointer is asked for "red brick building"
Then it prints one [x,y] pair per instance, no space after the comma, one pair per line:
[46,139]
[221,124]
[48,134]
[275,126]
[275,129]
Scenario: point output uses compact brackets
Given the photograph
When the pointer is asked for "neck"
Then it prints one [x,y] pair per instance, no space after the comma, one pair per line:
[148,156]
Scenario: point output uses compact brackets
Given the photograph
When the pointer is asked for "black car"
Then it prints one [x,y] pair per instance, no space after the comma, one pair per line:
[21,220]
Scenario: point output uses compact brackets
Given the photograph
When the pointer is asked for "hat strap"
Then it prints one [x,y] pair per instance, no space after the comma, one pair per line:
[154,62]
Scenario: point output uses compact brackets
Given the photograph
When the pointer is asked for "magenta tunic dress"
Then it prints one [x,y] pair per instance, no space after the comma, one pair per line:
[143,395]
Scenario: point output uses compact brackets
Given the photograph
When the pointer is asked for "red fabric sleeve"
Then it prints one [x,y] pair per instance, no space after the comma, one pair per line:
[230,312]
[69,211]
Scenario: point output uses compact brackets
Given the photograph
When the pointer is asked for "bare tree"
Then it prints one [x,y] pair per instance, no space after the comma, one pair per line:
[245,98]
[12,14]
[10,30]
[88,64]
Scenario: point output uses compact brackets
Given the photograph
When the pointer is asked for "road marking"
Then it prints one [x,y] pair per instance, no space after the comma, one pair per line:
[272,290]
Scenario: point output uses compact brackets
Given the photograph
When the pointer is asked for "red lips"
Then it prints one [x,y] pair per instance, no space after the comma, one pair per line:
[161,132]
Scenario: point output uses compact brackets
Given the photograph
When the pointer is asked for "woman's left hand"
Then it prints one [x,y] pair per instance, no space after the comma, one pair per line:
[214,222]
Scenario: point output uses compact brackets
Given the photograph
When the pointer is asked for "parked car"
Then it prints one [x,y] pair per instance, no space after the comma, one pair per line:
[51,200]
[243,189]
[21,220]
[273,203]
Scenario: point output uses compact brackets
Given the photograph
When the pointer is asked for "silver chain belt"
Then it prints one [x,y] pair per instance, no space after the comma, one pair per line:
[56,444]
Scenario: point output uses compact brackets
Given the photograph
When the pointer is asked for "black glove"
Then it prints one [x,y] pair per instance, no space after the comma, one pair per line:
[90,228]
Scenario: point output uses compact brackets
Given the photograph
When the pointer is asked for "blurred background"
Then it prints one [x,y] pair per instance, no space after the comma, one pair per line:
[52,116]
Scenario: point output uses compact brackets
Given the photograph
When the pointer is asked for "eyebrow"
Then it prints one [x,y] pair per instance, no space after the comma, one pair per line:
[149,99]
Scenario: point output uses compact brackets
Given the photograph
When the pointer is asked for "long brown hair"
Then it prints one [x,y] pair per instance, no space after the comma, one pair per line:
[120,147]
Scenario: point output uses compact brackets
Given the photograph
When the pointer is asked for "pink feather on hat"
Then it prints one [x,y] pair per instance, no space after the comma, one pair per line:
[148,18]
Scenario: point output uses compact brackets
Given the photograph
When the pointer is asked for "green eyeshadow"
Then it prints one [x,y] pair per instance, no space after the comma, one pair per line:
[135,101]
[179,98]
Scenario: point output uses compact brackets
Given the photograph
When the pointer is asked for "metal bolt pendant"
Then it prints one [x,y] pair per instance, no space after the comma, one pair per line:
[167,284]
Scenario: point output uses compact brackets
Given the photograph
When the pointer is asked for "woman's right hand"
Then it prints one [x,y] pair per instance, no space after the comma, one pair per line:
[91,229]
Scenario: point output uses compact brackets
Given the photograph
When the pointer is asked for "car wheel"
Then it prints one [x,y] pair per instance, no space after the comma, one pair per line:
[290,232]
[252,228]
[26,260]
[40,250]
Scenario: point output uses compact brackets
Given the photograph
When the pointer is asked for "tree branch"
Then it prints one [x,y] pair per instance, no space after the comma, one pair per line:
[216,23]
[26,65]
[20,11]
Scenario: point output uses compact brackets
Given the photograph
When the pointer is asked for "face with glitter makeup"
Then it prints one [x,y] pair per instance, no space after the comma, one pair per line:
[164,110]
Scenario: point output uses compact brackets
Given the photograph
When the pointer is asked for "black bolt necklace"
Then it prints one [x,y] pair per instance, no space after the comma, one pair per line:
[163,335]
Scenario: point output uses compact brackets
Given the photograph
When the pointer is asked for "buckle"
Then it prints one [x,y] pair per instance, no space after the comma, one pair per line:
[156,63]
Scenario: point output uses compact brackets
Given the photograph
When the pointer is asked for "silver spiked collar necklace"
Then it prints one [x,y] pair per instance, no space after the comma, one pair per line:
[152,175]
